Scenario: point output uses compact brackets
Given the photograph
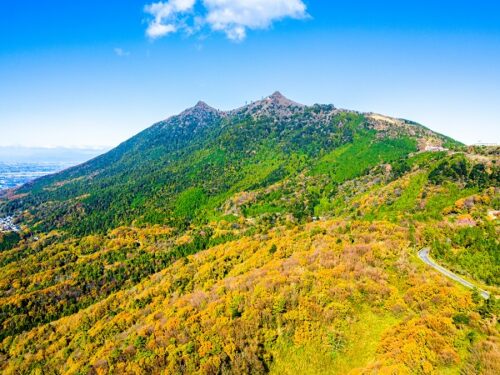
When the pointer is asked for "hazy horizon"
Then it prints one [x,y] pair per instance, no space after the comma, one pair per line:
[66,155]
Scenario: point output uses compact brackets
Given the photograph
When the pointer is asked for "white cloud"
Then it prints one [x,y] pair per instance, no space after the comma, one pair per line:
[157,30]
[170,7]
[120,52]
[232,17]
[166,16]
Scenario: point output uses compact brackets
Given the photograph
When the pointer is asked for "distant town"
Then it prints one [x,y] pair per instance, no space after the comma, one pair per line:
[7,225]
[16,174]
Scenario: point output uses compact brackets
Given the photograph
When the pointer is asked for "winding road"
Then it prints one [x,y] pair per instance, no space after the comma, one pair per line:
[424,256]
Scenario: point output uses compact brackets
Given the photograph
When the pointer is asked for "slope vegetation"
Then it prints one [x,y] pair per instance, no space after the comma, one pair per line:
[272,238]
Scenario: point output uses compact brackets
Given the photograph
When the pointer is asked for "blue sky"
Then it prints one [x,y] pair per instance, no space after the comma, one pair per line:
[93,73]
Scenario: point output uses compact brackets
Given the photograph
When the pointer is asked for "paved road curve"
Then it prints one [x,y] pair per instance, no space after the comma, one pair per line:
[424,256]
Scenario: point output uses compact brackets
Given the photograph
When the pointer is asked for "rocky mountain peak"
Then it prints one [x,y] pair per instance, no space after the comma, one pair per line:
[279,99]
[277,96]
[203,106]
[275,104]
[198,116]
[200,111]
[199,108]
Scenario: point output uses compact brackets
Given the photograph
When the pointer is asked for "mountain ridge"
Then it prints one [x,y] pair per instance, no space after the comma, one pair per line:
[163,149]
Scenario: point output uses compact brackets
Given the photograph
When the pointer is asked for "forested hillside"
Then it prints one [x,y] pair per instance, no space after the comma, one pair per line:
[203,156]
[276,237]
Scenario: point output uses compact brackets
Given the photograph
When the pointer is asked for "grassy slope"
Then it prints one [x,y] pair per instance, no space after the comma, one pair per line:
[359,351]
[352,160]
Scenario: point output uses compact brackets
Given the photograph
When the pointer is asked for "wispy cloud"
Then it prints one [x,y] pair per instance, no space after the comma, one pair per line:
[120,52]
[232,17]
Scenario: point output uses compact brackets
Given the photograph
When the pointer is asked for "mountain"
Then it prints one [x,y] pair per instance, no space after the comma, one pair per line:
[276,237]
[213,154]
